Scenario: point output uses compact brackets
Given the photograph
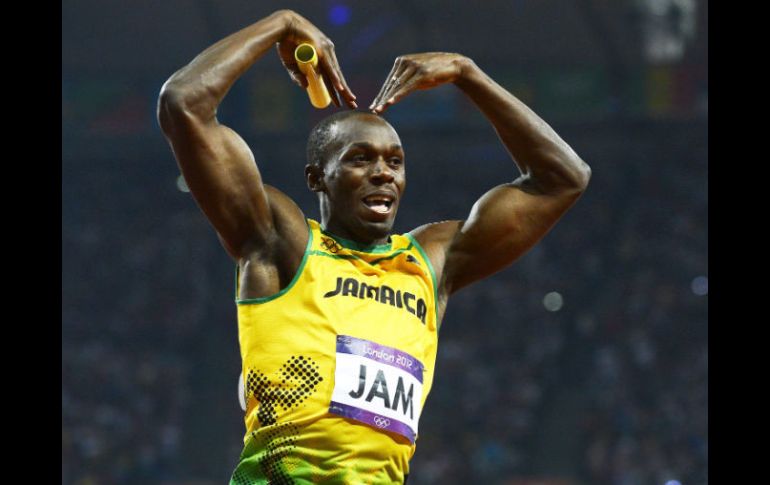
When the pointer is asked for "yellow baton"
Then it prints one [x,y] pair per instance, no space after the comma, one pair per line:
[307,61]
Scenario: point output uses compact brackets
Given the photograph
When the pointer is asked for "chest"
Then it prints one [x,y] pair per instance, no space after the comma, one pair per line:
[397,283]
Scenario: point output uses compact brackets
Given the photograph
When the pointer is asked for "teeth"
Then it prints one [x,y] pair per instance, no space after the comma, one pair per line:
[378,201]
[381,208]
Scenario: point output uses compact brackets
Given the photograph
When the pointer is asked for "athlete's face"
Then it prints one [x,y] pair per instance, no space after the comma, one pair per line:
[363,178]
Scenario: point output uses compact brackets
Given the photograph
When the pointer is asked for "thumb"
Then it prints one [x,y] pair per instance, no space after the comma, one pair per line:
[287,59]
[297,76]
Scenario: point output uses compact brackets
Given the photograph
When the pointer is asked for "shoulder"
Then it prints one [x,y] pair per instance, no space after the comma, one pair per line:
[269,266]
[436,234]
[288,218]
[290,232]
[436,240]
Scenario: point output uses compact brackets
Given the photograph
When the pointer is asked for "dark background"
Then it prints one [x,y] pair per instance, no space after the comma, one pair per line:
[605,383]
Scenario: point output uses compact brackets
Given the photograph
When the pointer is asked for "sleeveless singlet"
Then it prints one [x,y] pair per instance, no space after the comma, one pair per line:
[337,366]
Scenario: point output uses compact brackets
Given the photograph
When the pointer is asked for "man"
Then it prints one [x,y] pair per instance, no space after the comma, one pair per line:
[338,320]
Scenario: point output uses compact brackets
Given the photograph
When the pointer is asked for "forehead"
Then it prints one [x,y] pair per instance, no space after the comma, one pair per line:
[364,129]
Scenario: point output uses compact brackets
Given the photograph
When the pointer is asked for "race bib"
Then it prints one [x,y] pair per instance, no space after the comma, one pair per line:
[377,385]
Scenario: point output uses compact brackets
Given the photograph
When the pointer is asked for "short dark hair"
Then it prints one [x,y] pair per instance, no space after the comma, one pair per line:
[321,136]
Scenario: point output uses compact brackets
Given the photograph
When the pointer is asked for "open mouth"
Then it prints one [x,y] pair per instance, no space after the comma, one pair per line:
[379,203]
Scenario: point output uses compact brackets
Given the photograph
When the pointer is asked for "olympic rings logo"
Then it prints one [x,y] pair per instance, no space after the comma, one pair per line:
[381,422]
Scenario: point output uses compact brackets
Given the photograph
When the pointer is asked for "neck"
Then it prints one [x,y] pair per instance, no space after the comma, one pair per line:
[364,234]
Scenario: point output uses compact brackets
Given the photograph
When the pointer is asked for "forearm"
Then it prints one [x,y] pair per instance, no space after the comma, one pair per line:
[544,159]
[202,84]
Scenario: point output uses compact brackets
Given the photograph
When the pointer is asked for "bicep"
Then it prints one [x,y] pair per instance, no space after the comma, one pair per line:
[222,175]
[503,224]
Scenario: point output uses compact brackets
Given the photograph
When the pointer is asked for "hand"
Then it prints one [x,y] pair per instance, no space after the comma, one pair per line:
[417,71]
[299,30]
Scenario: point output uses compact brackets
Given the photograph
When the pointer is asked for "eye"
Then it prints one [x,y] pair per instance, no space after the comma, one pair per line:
[396,161]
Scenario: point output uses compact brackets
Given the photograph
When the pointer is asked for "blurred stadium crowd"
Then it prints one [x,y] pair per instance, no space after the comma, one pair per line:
[585,363]
[610,389]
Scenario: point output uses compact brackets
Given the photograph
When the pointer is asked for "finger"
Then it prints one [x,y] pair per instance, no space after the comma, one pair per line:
[329,87]
[291,66]
[298,78]
[387,85]
[402,85]
[334,80]
[344,89]
[388,81]
[406,89]
[399,84]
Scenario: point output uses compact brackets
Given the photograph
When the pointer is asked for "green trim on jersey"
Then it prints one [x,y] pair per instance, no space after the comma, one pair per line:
[396,253]
[432,273]
[355,246]
[316,252]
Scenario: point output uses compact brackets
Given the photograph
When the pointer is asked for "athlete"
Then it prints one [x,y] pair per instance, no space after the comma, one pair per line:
[338,319]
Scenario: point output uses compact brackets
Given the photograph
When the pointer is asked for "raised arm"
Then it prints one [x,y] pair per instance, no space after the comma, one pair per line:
[510,218]
[217,164]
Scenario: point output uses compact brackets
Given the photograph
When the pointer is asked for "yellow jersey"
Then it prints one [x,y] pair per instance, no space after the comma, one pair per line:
[337,366]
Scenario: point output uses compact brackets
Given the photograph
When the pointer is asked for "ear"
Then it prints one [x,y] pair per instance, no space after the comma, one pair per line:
[314,176]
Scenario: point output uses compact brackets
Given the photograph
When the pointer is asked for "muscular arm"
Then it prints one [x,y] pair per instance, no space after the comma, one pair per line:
[217,164]
[509,219]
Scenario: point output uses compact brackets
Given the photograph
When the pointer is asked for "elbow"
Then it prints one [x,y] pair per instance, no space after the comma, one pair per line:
[577,173]
[573,178]
[173,97]
[178,103]
[171,102]
[583,175]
